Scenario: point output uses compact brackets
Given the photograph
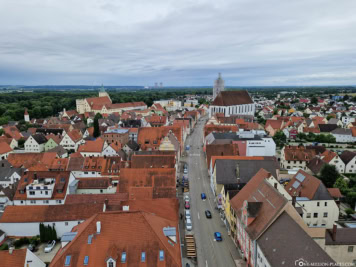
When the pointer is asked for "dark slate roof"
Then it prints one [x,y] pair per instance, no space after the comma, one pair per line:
[46,131]
[232,98]
[341,131]
[346,156]
[285,242]
[59,150]
[133,145]
[322,193]
[226,169]
[327,128]
[315,165]
[344,236]
[318,149]
[40,138]
[253,208]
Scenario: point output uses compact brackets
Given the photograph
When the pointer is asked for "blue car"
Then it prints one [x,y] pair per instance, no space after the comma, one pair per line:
[203,196]
[217,236]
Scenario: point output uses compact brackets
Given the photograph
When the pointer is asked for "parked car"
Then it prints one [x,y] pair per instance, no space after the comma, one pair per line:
[187,205]
[187,214]
[32,247]
[203,196]
[189,225]
[187,147]
[186,198]
[217,236]
[50,245]
[208,214]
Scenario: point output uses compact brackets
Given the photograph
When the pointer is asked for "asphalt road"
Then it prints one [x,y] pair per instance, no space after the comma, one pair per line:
[210,252]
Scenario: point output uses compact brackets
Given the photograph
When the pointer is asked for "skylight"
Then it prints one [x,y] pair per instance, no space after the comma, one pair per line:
[67,262]
[123,257]
[86,260]
[143,256]
[161,255]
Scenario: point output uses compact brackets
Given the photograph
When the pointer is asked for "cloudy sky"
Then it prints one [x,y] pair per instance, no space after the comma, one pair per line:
[178,42]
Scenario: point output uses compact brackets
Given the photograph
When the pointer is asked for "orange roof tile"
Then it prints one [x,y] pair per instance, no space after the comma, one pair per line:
[28,160]
[16,259]
[92,146]
[132,232]
[75,135]
[298,153]
[4,147]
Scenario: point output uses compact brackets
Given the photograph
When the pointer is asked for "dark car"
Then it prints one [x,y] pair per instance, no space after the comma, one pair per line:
[32,247]
[203,196]
[208,214]
[187,205]
[217,236]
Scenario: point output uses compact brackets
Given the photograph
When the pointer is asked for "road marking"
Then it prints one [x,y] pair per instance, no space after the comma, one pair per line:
[206,263]
[198,216]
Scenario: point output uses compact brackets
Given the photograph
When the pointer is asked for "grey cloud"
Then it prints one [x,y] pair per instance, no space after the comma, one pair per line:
[138,42]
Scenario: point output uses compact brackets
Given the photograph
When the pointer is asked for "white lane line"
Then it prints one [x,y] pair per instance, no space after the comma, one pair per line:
[198,216]
[206,263]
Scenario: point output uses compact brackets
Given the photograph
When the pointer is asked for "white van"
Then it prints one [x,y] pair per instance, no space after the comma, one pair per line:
[189,225]
[187,214]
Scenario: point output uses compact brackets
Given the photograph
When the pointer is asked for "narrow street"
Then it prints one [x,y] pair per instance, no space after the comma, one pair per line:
[210,252]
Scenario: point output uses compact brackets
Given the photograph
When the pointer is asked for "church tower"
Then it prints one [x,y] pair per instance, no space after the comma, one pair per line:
[26,116]
[218,86]
[102,92]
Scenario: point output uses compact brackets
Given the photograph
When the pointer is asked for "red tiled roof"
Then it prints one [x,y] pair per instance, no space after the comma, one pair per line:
[49,213]
[148,183]
[28,160]
[309,186]
[104,100]
[4,147]
[353,131]
[132,232]
[328,155]
[153,161]
[335,192]
[13,132]
[154,135]
[315,130]
[56,138]
[275,124]
[16,259]
[232,98]
[219,128]
[221,150]
[298,153]
[75,135]
[94,183]
[259,190]
[92,146]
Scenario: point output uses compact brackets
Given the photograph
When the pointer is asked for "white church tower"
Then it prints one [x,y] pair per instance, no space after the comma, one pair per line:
[26,116]
[218,86]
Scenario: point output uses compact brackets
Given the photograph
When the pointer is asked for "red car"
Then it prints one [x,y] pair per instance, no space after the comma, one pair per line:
[187,205]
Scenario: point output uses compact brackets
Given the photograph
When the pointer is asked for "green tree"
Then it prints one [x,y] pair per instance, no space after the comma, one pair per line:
[280,138]
[342,185]
[314,100]
[96,125]
[329,175]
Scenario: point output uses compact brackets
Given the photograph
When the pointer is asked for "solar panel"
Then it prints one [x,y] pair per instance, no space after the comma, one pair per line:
[296,184]
[300,177]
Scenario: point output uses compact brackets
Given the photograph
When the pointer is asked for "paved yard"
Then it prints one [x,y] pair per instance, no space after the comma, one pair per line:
[47,257]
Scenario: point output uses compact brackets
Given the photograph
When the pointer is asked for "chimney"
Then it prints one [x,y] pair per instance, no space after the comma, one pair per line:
[98,227]
[11,249]
[293,200]
[334,232]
